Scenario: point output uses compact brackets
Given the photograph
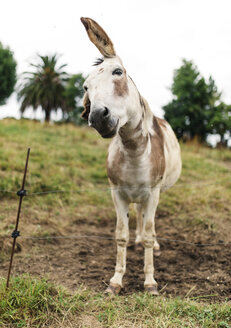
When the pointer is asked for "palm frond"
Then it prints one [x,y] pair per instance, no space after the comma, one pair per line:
[45,86]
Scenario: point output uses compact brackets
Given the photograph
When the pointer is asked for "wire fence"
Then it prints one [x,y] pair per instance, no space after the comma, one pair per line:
[27,193]
[103,188]
[178,241]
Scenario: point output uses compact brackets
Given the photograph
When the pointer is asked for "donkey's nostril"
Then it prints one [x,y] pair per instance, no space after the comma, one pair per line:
[106,111]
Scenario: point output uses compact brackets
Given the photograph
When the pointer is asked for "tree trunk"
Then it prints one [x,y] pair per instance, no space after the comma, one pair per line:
[47,115]
[223,143]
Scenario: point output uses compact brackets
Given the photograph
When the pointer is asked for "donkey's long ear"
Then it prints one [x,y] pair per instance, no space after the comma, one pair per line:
[99,37]
[87,107]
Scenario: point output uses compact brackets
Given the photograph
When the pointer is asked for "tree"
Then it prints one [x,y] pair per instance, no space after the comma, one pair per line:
[44,87]
[194,105]
[220,122]
[74,93]
[7,73]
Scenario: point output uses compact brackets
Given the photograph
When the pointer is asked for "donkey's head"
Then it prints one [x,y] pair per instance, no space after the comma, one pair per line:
[109,93]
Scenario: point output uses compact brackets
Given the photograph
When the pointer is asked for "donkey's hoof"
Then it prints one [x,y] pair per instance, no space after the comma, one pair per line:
[151,289]
[139,247]
[113,289]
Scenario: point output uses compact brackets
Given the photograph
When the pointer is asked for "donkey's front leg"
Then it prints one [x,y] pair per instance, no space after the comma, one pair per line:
[122,236]
[149,240]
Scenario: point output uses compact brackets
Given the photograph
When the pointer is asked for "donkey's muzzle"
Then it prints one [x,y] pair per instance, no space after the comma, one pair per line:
[102,120]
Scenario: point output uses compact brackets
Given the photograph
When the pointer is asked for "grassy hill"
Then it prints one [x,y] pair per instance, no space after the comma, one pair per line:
[194,282]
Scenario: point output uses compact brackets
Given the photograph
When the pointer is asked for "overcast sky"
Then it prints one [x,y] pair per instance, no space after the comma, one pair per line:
[150,36]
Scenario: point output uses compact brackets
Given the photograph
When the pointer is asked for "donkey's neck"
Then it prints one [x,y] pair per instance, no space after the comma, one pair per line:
[134,136]
[132,139]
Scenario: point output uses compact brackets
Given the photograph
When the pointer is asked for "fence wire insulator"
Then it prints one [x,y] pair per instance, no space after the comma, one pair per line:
[15,234]
[21,192]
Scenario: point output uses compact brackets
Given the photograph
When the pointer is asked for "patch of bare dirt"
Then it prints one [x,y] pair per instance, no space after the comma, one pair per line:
[181,269]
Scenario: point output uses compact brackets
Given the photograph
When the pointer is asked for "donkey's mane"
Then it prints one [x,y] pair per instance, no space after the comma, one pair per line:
[98,61]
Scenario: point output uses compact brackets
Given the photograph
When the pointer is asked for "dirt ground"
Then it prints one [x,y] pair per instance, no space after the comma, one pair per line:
[181,270]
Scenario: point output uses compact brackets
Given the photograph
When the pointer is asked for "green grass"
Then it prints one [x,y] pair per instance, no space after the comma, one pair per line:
[64,157]
[205,184]
[38,303]
[52,147]
[33,301]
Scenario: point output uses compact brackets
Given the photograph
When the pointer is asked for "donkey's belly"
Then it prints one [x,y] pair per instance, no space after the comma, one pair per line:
[134,194]
[135,183]
[137,186]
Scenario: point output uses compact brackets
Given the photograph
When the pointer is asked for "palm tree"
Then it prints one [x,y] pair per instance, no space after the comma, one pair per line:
[44,87]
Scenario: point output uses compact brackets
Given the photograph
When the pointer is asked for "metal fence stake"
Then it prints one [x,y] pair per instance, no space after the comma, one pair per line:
[16,233]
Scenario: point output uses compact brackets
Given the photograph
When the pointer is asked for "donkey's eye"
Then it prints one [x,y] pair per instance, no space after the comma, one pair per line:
[117,71]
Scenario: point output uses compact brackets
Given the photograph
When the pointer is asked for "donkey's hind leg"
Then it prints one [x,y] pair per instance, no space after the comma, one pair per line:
[139,227]
[156,248]
[149,240]
[139,230]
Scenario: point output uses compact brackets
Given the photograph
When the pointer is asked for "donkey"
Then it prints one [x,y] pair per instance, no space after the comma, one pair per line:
[143,157]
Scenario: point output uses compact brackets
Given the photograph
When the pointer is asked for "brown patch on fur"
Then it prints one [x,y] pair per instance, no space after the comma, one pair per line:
[114,171]
[101,70]
[157,152]
[163,125]
[162,122]
[87,106]
[157,144]
[133,144]
[121,87]
[138,128]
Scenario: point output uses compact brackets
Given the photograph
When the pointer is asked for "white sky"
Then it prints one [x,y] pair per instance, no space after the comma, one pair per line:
[150,36]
